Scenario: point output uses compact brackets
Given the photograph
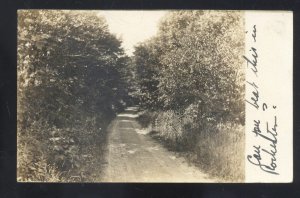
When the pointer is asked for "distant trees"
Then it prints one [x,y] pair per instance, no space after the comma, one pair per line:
[194,60]
[146,59]
[71,80]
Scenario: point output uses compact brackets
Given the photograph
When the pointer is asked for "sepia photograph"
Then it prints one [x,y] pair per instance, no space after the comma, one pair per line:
[131,96]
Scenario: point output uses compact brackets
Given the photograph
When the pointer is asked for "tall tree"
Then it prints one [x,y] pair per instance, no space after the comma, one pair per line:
[71,78]
[194,59]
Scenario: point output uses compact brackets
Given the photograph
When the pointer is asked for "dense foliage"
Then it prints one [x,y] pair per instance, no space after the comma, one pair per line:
[73,76]
[191,76]
[195,60]
[71,81]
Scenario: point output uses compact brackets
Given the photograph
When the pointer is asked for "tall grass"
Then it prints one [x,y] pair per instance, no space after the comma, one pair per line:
[221,151]
[32,164]
[67,154]
[218,149]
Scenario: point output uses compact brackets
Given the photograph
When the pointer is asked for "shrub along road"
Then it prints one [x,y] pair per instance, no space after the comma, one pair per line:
[133,156]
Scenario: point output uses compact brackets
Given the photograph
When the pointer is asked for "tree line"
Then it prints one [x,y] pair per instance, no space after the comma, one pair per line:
[194,59]
[72,79]
[191,82]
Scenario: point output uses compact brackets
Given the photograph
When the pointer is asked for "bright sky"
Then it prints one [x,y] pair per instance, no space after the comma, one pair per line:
[133,26]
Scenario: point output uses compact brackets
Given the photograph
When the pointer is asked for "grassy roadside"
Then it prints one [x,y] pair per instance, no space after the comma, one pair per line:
[67,154]
[218,149]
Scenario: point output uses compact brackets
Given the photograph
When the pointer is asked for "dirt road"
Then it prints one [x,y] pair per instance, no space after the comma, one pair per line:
[133,156]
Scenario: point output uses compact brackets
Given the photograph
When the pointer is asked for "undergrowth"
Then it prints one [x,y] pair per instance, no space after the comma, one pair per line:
[66,154]
[218,149]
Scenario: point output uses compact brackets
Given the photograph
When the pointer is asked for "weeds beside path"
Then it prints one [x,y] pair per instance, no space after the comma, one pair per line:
[217,149]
